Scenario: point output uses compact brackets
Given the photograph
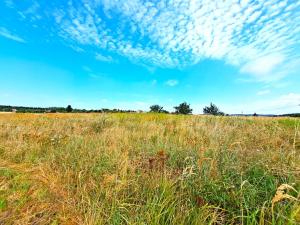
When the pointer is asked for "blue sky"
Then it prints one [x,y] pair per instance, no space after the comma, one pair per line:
[242,55]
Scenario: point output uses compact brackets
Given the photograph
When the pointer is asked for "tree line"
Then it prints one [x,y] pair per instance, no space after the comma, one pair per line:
[184,108]
[68,109]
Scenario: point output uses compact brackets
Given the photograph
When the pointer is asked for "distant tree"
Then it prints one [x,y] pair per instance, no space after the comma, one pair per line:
[183,108]
[69,108]
[213,110]
[156,108]
[255,114]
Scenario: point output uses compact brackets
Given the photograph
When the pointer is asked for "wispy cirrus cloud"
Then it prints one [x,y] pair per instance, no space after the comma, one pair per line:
[9,3]
[266,68]
[103,58]
[172,83]
[7,34]
[244,33]
[263,66]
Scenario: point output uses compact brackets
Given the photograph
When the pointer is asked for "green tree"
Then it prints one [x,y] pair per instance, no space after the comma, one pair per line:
[156,108]
[183,108]
[69,108]
[213,110]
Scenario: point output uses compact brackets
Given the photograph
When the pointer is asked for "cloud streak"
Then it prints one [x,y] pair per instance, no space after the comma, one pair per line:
[103,58]
[7,34]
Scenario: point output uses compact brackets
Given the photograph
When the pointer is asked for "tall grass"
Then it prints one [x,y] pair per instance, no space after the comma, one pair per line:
[147,169]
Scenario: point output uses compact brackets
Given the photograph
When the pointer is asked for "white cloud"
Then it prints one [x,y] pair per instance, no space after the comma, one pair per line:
[9,3]
[263,66]
[172,83]
[76,48]
[259,36]
[184,32]
[7,34]
[32,9]
[103,58]
[94,76]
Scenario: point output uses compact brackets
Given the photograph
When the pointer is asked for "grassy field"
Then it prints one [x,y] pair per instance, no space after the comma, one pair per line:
[148,169]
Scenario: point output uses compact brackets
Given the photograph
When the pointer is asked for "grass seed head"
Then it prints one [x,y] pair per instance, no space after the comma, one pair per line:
[281,194]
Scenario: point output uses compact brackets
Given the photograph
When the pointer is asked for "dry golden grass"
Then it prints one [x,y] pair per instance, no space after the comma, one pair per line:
[148,169]
[281,194]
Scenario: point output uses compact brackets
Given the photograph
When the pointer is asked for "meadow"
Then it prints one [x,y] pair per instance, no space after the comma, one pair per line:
[148,169]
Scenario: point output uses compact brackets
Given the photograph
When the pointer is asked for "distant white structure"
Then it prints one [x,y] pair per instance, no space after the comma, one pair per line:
[14,110]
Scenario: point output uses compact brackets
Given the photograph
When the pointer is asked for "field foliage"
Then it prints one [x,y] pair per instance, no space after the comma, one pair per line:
[148,169]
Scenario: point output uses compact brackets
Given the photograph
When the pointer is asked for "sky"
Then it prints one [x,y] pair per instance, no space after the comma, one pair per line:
[242,55]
